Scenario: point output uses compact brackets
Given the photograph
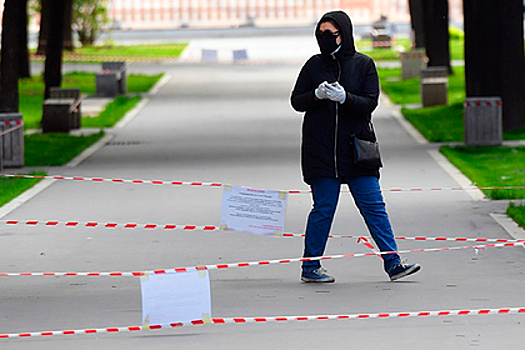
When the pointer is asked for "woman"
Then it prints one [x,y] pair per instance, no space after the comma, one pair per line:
[339,89]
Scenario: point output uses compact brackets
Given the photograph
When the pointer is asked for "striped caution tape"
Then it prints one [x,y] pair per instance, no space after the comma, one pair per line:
[185,227]
[107,225]
[11,122]
[254,263]
[219,184]
[271,319]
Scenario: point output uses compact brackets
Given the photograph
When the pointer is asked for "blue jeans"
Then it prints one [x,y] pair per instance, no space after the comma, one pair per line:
[367,197]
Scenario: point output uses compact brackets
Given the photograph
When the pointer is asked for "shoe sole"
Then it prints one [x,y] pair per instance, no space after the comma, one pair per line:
[311,280]
[406,273]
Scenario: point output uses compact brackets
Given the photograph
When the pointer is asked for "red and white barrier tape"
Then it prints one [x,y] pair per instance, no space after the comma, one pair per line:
[172,227]
[219,184]
[107,225]
[11,122]
[366,243]
[252,263]
[272,319]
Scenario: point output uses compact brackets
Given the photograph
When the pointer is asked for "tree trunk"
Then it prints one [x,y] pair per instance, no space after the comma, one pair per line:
[24,70]
[68,30]
[9,64]
[436,33]
[417,23]
[53,65]
[45,18]
[494,55]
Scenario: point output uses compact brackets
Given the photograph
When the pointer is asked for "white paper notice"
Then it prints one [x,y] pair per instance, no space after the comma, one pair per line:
[253,210]
[174,298]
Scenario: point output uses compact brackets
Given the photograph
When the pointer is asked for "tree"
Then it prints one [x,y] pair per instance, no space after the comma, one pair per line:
[89,18]
[55,44]
[417,23]
[23,70]
[494,55]
[68,27]
[42,7]
[45,17]
[10,57]
[437,40]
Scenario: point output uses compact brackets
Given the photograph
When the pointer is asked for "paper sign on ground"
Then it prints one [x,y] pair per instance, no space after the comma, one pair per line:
[253,210]
[174,298]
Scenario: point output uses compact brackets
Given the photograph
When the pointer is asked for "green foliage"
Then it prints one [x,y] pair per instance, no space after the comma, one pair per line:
[89,18]
[13,187]
[55,149]
[491,167]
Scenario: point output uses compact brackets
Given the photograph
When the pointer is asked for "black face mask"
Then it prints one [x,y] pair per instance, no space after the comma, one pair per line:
[327,42]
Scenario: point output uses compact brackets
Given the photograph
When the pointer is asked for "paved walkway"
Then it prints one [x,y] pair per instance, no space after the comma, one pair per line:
[233,124]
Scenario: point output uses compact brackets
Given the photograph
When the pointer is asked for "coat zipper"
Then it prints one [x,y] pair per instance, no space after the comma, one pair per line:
[336,121]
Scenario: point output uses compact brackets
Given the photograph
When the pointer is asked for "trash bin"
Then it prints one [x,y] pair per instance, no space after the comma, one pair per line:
[483,121]
[434,86]
[412,62]
[12,143]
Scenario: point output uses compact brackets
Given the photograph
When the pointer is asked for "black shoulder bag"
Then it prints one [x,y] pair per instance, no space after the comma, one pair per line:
[366,153]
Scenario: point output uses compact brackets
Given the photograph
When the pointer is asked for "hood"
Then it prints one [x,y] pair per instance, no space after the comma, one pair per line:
[344,23]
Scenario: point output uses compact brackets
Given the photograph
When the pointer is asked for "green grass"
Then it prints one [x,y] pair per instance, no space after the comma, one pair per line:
[97,54]
[404,44]
[32,92]
[113,112]
[517,212]
[406,92]
[439,123]
[491,167]
[13,187]
[55,149]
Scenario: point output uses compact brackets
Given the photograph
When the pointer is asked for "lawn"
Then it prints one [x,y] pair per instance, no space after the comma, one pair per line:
[439,123]
[97,54]
[402,45]
[32,96]
[491,167]
[55,149]
[484,166]
[13,187]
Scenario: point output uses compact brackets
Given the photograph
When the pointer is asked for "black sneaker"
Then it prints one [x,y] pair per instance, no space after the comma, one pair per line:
[401,270]
[317,276]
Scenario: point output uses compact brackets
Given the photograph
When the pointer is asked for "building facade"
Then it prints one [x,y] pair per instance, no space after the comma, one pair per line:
[157,14]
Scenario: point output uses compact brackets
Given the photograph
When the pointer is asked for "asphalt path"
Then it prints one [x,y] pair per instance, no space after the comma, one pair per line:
[233,124]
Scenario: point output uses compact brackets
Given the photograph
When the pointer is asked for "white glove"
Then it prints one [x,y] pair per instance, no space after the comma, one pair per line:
[336,92]
[320,92]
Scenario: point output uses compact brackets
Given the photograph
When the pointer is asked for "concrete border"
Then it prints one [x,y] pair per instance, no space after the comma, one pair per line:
[509,225]
[132,114]
[42,185]
[406,125]
[89,151]
[25,196]
[163,81]
[457,175]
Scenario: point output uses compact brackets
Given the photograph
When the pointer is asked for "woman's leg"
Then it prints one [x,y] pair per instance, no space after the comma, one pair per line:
[368,198]
[325,194]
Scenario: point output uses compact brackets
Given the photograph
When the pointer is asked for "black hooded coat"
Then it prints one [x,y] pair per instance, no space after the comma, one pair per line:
[328,126]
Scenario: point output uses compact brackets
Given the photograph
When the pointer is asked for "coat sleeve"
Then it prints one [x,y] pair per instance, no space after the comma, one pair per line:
[303,94]
[366,101]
